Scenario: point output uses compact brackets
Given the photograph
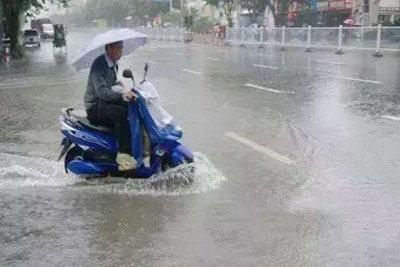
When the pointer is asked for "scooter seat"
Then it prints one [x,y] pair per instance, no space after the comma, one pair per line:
[83,120]
[86,123]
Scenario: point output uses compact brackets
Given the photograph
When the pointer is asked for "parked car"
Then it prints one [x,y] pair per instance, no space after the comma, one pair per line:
[31,38]
[47,31]
[36,24]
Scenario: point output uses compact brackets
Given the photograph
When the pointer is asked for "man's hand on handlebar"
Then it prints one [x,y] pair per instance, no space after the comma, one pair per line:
[128,95]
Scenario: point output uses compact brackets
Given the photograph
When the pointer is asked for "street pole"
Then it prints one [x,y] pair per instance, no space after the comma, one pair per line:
[340,40]
[309,39]
[183,14]
[283,39]
[378,42]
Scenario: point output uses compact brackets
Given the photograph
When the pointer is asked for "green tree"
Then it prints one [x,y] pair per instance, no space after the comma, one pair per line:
[227,5]
[144,10]
[255,8]
[279,9]
[13,10]
[114,11]
[203,24]
[307,17]
[174,17]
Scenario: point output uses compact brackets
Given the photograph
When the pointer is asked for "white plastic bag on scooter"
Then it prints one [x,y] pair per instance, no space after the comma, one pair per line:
[160,116]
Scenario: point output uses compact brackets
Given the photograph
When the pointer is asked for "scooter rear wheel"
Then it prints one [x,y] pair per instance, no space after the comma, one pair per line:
[73,153]
[77,153]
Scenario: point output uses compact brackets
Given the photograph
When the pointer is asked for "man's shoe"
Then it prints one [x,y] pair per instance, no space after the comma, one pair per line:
[125,162]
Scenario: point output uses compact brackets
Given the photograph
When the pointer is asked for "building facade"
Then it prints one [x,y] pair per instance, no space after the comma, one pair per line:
[389,11]
[332,13]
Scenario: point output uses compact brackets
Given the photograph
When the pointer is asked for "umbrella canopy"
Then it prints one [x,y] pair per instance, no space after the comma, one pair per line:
[130,38]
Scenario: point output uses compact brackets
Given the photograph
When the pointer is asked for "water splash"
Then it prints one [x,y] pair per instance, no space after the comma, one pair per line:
[18,171]
[194,178]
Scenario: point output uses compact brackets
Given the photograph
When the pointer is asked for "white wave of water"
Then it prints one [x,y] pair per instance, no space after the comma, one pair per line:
[18,171]
[173,182]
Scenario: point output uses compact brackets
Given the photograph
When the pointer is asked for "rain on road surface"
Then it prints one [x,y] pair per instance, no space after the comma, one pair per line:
[298,156]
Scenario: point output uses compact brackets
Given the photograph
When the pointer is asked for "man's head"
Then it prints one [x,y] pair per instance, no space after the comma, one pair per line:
[114,51]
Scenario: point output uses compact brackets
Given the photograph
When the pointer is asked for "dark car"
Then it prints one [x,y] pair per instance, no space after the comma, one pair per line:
[31,38]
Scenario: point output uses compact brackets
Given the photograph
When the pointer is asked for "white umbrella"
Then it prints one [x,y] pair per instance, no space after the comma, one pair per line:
[130,38]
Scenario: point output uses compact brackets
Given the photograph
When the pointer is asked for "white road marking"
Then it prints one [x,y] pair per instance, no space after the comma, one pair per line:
[262,149]
[391,117]
[28,85]
[191,71]
[331,62]
[265,67]
[343,77]
[269,89]
[264,55]
[356,79]
[213,58]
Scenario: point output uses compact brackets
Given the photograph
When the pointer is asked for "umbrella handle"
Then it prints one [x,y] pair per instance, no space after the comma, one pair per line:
[146,68]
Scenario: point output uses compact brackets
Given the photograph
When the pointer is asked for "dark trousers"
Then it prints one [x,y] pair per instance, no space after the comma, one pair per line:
[115,117]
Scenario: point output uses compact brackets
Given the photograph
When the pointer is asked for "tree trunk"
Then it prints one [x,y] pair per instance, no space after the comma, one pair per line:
[253,15]
[228,9]
[12,15]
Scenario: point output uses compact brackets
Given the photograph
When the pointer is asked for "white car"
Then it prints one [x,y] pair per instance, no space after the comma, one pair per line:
[47,31]
[31,38]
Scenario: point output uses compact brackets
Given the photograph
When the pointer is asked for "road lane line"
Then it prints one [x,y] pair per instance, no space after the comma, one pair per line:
[355,79]
[265,67]
[326,72]
[28,85]
[262,149]
[331,62]
[264,55]
[391,117]
[191,71]
[213,58]
[268,89]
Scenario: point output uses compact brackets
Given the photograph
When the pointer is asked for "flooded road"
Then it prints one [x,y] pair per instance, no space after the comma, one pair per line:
[297,152]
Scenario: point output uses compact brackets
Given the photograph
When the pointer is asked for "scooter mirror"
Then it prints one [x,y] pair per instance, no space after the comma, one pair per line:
[127,74]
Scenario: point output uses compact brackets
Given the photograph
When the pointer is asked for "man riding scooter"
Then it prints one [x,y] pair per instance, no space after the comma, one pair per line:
[106,101]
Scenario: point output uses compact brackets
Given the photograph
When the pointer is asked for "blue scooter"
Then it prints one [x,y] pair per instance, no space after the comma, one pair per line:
[91,150]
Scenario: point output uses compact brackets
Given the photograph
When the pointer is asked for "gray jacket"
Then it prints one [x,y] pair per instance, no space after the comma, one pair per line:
[101,78]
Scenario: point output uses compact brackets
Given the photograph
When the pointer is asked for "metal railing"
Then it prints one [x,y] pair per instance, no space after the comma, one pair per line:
[168,34]
[341,38]
[378,39]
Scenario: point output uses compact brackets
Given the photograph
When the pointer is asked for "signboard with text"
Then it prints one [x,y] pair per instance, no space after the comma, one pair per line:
[334,5]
